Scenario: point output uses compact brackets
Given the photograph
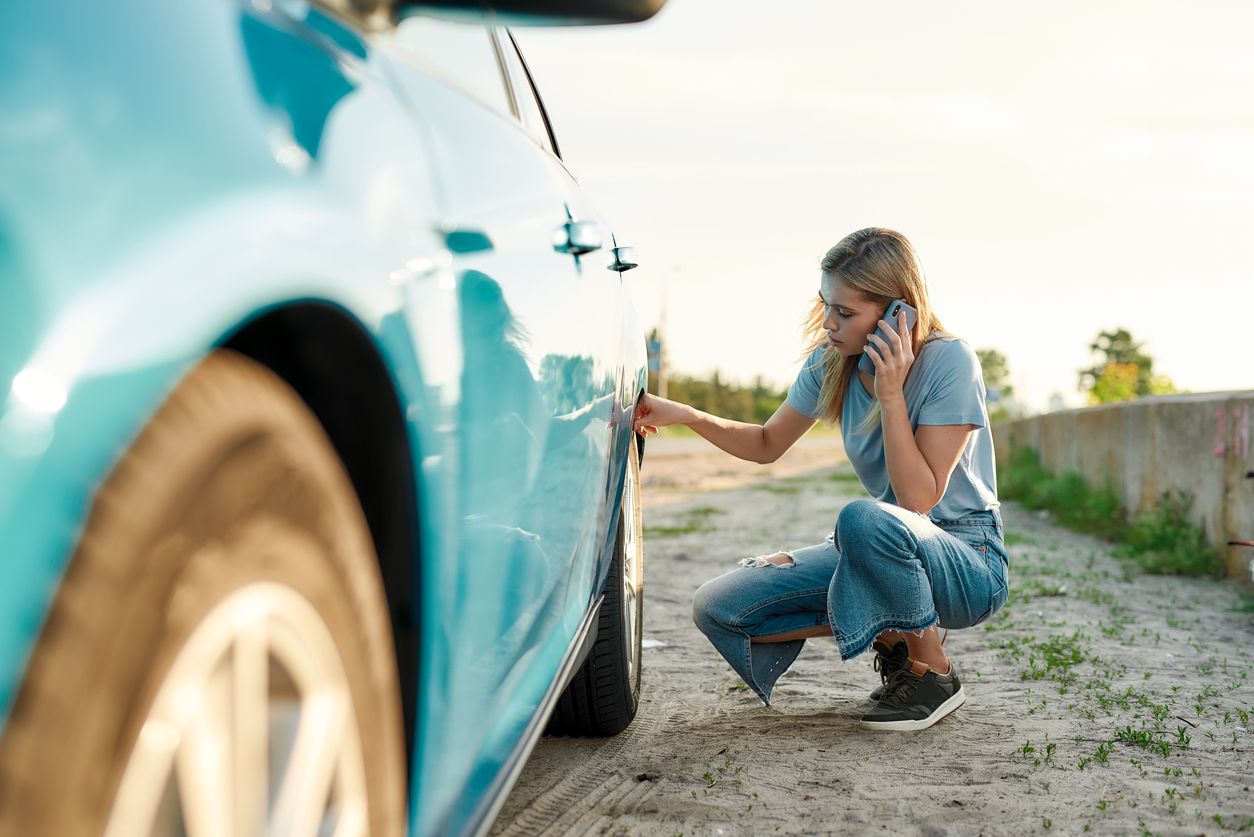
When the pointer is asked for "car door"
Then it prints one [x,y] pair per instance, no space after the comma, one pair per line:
[538,316]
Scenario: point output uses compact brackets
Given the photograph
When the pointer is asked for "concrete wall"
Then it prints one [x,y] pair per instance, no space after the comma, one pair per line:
[1201,443]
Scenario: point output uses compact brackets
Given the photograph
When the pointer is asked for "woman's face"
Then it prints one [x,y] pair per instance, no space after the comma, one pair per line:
[850,315]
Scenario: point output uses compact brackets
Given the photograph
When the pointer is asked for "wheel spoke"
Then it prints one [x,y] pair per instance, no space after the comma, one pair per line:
[306,783]
[203,762]
[249,727]
[255,709]
[352,823]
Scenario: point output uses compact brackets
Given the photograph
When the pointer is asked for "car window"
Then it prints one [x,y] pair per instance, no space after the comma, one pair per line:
[461,53]
[530,110]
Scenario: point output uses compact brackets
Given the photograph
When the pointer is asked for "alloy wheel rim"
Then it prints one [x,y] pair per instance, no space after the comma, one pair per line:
[252,730]
[633,564]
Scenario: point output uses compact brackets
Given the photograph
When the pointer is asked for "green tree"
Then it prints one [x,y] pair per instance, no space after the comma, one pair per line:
[1117,382]
[996,383]
[1122,371]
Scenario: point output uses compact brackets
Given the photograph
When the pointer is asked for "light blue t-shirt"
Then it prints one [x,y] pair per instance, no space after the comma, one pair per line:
[945,386]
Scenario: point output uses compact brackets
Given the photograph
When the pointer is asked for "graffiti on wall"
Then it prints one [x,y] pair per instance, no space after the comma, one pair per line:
[1240,431]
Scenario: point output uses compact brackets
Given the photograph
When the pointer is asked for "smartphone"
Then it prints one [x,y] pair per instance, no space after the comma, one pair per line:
[890,314]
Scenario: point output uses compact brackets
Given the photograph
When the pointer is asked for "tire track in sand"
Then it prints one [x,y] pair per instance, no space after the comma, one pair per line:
[600,776]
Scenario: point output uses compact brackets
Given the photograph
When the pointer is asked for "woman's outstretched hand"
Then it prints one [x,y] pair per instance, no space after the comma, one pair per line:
[653,411]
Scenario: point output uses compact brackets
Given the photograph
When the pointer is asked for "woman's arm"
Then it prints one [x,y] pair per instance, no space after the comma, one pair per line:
[919,464]
[754,442]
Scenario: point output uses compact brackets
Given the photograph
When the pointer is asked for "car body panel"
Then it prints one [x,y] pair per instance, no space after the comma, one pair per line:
[156,194]
[534,431]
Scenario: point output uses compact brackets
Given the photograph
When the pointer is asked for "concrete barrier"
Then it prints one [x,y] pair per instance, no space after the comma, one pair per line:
[1199,442]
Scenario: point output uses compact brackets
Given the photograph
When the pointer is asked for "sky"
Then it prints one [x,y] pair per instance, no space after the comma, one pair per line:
[1062,169]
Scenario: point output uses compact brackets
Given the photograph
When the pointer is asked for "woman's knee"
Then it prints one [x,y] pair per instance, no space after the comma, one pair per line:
[860,513]
[857,523]
[870,533]
[708,606]
[719,602]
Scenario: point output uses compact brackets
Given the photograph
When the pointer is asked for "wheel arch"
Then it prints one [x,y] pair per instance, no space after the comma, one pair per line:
[329,358]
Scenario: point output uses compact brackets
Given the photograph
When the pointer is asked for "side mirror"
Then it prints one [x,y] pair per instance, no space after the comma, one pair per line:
[533,12]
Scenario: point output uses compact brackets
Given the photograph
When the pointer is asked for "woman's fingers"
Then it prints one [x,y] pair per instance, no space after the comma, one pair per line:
[894,340]
[877,347]
[897,345]
[644,409]
[907,345]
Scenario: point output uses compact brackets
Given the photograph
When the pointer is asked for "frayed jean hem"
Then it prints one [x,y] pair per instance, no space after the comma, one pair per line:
[850,649]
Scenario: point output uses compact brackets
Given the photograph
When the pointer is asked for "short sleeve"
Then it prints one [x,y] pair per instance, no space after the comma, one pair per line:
[803,395]
[955,394]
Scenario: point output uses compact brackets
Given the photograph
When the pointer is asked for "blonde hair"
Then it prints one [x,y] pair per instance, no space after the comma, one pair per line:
[883,266]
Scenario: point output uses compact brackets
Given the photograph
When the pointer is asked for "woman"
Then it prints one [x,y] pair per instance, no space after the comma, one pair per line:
[926,550]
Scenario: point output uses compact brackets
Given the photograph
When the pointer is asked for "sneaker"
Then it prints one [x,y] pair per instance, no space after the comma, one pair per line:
[913,702]
[888,661]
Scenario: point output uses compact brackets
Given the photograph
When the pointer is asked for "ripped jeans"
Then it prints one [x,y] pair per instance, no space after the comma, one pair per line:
[884,568]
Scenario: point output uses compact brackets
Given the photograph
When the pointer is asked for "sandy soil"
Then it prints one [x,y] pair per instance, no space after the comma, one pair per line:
[1099,701]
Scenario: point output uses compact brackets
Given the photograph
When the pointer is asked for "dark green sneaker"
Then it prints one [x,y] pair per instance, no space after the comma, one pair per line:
[888,661]
[912,702]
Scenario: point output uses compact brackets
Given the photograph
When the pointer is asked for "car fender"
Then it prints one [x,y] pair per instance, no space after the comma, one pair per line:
[107,358]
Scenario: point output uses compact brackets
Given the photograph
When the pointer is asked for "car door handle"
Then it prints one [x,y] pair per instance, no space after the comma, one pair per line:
[624,258]
[578,237]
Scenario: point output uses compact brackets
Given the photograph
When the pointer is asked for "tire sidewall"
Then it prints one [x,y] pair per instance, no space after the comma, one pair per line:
[233,482]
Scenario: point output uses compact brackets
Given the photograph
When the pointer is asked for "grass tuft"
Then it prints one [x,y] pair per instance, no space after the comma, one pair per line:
[1162,541]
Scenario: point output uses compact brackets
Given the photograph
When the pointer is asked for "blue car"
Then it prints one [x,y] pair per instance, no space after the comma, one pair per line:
[318,490]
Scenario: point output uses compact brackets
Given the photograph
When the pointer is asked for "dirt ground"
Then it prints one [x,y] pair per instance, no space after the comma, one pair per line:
[1099,700]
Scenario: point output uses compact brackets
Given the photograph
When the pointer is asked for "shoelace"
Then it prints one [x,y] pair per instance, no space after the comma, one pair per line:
[899,687]
[886,664]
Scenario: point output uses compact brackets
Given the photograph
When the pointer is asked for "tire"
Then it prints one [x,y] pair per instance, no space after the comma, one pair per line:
[602,697]
[225,559]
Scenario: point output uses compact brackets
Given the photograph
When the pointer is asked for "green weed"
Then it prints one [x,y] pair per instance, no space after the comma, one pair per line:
[1053,658]
[1162,540]
[1146,739]
[694,520]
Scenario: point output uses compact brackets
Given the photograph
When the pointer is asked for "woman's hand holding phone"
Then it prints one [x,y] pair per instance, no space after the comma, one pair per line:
[892,357]
[653,411]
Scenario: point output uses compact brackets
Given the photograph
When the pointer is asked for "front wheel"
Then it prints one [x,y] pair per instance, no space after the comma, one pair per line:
[604,694]
[218,659]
